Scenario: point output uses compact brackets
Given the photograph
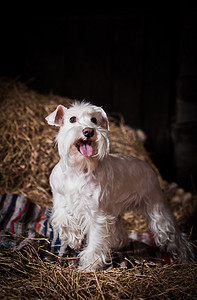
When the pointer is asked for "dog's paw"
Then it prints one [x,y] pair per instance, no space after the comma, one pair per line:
[90,261]
[76,244]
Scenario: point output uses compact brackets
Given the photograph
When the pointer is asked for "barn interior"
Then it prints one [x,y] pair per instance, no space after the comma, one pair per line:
[140,65]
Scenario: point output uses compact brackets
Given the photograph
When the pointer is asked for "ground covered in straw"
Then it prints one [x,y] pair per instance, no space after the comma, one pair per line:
[27,155]
[25,276]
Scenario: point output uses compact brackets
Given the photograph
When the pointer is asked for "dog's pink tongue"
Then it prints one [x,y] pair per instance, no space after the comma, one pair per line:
[86,150]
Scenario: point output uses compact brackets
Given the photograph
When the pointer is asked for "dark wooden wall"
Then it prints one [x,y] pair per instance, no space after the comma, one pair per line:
[126,61]
[184,128]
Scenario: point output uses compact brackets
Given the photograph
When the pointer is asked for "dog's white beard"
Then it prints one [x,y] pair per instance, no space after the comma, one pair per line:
[72,158]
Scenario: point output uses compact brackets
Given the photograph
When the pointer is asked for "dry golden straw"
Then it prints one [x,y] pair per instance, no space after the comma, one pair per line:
[26,276]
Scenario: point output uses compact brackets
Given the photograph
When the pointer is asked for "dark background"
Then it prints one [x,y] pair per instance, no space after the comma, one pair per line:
[141,62]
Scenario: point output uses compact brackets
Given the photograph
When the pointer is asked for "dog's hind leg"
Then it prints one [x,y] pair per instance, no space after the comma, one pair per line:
[165,230]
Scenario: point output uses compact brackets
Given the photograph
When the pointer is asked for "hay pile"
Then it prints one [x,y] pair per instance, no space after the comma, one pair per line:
[26,149]
[27,155]
[26,276]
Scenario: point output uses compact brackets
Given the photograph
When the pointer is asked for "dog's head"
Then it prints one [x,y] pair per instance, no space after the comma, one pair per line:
[83,135]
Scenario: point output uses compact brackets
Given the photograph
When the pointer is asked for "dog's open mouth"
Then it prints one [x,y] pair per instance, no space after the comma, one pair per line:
[85,147]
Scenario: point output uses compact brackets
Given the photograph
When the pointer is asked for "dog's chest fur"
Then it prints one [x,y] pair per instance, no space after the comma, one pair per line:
[78,192]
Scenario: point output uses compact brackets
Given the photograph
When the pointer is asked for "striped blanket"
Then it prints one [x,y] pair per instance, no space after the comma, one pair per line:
[23,223]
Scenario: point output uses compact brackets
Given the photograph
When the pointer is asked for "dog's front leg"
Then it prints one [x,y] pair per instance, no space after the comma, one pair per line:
[95,255]
[65,225]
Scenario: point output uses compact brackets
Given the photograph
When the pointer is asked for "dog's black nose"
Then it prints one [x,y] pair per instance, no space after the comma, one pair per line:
[88,132]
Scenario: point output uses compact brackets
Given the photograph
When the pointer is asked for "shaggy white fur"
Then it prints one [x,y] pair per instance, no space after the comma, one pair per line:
[92,189]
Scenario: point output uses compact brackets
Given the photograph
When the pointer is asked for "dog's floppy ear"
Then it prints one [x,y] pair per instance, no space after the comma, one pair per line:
[57,117]
[105,122]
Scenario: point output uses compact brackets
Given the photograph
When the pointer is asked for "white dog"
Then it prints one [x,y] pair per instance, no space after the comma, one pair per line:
[92,189]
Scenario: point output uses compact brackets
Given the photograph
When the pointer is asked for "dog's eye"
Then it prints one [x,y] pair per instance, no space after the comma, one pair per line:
[94,120]
[73,119]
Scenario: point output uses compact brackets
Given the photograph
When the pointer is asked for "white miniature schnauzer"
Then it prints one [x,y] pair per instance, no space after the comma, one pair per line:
[92,189]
